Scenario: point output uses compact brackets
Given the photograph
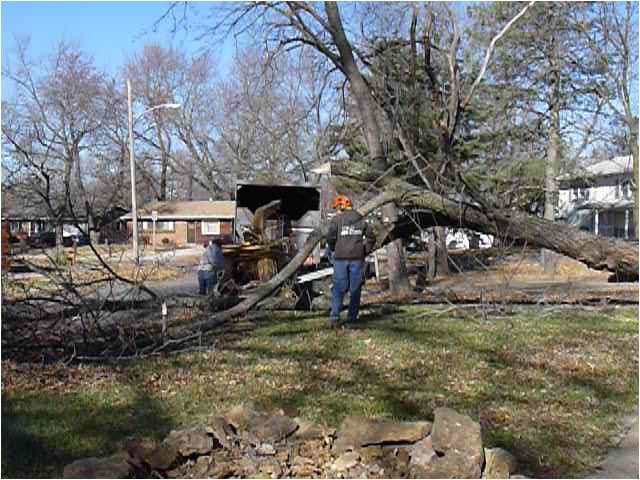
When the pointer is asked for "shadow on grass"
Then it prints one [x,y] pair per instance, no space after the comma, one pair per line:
[555,446]
[42,432]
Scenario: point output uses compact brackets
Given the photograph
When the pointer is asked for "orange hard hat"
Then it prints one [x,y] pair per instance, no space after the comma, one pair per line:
[342,202]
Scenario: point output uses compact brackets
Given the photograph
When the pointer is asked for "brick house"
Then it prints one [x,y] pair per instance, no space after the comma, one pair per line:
[185,222]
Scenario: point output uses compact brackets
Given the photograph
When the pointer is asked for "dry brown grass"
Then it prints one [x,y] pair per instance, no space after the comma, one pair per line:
[548,385]
[566,270]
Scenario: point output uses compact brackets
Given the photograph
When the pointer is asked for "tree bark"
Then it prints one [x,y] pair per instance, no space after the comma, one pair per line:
[442,259]
[432,255]
[636,173]
[163,178]
[549,260]
[59,240]
[369,112]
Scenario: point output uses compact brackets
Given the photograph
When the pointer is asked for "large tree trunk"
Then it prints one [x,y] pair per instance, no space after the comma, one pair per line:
[596,252]
[368,112]
[442,259]
[549,259]
[59,240]
[431,256]
[636,172]
[438,261]
[163,178]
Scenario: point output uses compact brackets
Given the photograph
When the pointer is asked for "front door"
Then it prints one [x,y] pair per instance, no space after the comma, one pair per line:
[191,232]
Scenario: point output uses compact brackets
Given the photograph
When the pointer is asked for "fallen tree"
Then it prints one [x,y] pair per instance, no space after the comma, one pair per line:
[596,252]
[599,253]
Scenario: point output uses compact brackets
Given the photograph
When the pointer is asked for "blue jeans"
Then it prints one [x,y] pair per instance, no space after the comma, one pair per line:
[347,275]
[206,281]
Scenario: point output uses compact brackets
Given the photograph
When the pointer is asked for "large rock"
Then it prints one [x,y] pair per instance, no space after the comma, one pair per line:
[456,433]
[139,450]
[311,431]
[452,465]
[109,467]
[273,429]
[163,457]
[222,432]
[345,461]
[243,416]
[192,441]
[358,432]
[498,463]
[422,453]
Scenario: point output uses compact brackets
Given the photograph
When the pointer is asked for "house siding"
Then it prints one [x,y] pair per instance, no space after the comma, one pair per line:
[601,205]
[179,235]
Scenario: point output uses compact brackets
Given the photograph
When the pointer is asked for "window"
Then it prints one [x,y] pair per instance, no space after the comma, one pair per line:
[574,193]
[626,189]
[618,189]
[165,226]
[211,228]
[584,194]
[160,226]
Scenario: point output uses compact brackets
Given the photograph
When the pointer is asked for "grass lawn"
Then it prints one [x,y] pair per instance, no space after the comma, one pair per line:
[549,387]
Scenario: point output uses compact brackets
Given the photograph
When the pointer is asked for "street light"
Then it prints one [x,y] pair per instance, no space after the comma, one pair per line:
[134,207]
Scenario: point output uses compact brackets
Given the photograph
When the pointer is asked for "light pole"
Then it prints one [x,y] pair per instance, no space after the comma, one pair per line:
[134,206]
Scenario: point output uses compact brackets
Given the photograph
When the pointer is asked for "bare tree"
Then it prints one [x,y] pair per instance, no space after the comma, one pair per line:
[452,197]
[272,120]
[614,42]
[156,75]
[51,131]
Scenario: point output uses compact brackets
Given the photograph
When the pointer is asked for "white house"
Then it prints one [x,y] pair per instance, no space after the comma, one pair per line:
[599,198]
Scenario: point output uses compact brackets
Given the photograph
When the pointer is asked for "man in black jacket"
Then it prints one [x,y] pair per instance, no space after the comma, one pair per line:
[350,239]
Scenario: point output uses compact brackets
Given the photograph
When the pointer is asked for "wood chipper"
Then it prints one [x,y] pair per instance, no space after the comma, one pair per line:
[272,222]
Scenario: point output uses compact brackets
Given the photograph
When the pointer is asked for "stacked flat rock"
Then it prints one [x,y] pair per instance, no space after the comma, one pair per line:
[246,443]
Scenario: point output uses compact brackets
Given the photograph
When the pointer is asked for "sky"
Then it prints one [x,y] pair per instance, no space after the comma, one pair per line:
[109,31]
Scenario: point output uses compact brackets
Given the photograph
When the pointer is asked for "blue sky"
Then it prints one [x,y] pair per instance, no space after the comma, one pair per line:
[109,31]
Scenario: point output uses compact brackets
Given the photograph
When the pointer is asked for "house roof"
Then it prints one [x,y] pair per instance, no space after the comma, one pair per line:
[621,204]
[613,166]
[186,210]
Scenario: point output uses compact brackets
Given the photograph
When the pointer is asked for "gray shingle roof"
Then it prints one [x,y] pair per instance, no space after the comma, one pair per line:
[186,210]
[611,167]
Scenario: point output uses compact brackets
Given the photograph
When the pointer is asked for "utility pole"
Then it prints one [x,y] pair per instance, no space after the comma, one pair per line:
[134,206]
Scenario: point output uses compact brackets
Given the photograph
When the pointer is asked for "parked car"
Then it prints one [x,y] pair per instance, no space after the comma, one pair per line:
[80,238]
[43,240]
[48,239]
